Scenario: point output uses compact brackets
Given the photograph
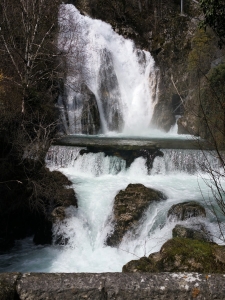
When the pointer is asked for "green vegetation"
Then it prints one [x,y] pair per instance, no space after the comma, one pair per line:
[212,100]
[30,73]
[180,255]
[200,56]
[190,254]
[214,17]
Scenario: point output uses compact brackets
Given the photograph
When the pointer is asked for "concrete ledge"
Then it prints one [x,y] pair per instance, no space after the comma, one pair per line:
[132,143]
[112,286]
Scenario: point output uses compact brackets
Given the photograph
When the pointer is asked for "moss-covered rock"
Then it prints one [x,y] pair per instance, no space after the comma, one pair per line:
[186,210]
[128,208]
[182,255]
[200,234]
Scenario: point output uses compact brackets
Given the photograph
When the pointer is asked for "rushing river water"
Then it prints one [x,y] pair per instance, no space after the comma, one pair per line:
[97,179]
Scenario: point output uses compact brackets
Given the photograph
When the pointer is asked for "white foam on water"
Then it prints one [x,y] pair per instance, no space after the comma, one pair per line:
[97,179]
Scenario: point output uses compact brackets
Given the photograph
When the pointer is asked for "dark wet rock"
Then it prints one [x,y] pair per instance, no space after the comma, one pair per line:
[186,210]
[58,214]
[84,101]
[58,195]
[182,255]
[109,92]
[184,232]
[68,197]
[128,209]
[90,118]
[163,115]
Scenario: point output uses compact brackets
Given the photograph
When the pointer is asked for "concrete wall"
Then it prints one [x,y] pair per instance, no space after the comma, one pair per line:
[115,286]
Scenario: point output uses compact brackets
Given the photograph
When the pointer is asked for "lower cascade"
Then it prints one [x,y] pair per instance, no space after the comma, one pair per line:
[80,238]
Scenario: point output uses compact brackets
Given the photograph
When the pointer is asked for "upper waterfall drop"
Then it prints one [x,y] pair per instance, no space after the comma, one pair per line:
[109,85]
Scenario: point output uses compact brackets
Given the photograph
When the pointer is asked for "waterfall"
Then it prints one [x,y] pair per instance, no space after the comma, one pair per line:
[109,85]
[172,161]
[188,161]
[97,179]
[91,164]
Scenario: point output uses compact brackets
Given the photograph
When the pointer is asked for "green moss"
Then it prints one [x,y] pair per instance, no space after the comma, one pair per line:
[200,56]
[193,254]
[182,255]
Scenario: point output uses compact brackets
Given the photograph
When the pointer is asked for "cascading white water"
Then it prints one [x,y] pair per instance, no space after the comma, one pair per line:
[188,161]
[101,63]
[97,179]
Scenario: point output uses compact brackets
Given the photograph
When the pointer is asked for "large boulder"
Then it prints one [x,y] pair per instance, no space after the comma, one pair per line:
[186,210]
[182,255]
[128,208]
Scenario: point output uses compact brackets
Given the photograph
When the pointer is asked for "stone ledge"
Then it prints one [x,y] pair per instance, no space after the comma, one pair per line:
[132,143]
[112,286]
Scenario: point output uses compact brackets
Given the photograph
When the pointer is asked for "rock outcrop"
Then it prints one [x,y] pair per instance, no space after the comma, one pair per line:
[109,92]
[30,213]
[90,117]
[182,255]
[61,197]
[128,208]
[84,102]
[200,234]
[186,210]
